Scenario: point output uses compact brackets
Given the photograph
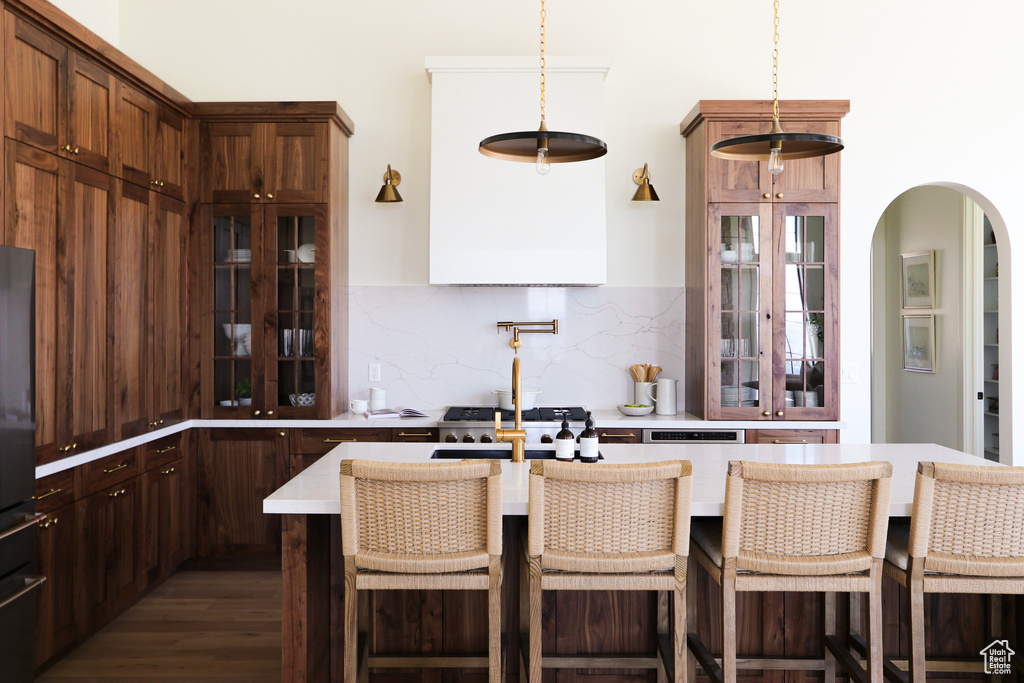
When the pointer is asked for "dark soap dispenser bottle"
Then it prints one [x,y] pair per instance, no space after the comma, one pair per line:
[588,442]
[565,443]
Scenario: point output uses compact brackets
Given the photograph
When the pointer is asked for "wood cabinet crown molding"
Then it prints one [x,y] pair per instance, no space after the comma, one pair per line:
[748,110]
[294,112]
[77,36]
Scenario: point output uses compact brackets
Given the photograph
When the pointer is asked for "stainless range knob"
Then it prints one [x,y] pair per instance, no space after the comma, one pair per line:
[546,438]
[468,438]
[486,438]
[451,438]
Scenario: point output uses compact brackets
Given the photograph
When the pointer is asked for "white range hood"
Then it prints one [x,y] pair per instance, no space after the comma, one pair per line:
[496,222]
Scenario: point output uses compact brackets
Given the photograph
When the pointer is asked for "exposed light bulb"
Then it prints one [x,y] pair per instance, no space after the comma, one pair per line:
[775,164]
[543,162]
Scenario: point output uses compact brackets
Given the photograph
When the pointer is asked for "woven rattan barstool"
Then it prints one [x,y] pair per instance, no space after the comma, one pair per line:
[818,528]
[420,527]
[608,527]
[966,535]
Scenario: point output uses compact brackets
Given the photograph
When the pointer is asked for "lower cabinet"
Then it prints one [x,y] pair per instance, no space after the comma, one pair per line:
[236,470]
[792,436]
[618,435]
[164,531]
[109,558]
[57,624]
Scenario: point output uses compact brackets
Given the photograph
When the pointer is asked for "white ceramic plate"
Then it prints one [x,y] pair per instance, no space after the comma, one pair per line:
[306,253]
[636,412]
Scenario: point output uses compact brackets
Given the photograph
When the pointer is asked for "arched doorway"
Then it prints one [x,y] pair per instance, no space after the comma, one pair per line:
[940,322]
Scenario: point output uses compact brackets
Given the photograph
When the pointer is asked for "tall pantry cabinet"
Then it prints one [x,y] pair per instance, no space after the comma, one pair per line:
[762,270]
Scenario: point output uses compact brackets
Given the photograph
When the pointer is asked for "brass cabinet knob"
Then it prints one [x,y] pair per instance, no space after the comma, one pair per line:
[779,195]
[767,413]
[256,196]
[780,413]
[161,183]
[282,434]
[74,151]
[269,413]
[767,195]
[170,471]
[255,412]
[270,196]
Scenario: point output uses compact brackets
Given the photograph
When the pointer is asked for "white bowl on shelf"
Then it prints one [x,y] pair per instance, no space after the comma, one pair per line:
[237,333]
[633,411]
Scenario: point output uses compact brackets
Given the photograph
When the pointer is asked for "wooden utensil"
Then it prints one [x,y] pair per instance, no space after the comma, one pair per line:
[652,373]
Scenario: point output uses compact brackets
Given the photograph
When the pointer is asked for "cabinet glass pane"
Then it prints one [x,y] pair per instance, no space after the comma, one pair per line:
[232,310]
[740,239]
[740,274]
[296,383]
[739,381]
[296,279]
[232,382]
[805,311]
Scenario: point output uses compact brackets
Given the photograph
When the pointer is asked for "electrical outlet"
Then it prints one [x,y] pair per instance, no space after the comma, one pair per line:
[374,372]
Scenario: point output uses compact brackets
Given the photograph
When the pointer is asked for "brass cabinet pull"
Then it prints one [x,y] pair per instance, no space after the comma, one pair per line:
[115,469]
[166,450]
[415,434]
[31,583]
[29,520]
[68,448]
[170,471]
[337,440]
[630,435]
[52,492]
[800,441]
[52,521]
[115,494]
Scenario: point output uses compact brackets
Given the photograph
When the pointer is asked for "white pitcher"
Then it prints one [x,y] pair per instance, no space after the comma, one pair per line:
[663,393]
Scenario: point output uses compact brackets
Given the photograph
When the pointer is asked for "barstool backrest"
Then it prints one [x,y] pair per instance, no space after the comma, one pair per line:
[806,520]
[421,518]
[609,518]
[969,519]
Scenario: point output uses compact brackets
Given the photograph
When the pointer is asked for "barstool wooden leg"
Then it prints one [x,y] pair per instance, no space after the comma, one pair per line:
[729,621]
[536,632]
[874,630]
[691,617]
[830,630]
[679,608]
[494,621]
[663,630]
[915,588]
[350,621]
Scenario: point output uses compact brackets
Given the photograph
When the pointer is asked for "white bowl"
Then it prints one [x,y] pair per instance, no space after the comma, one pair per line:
[636,412]
[303,400]
[505,399]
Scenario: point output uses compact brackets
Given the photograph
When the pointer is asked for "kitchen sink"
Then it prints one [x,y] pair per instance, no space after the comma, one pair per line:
[490,454]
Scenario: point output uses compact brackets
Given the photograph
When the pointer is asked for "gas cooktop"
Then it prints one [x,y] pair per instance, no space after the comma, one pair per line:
[542,414]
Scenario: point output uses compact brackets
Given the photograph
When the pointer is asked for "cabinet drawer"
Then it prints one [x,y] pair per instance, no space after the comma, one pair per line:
[55,490]
[110,470]
[792,436]
[416,435]
[618,435]
[319,441]
[161,451]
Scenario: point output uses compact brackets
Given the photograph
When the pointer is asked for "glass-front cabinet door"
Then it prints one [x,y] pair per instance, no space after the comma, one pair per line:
[739,296]
[236,344]
[806,304]
[297,311]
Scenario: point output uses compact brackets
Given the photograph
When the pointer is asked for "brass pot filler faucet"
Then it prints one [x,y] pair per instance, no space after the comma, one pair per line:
[517,436]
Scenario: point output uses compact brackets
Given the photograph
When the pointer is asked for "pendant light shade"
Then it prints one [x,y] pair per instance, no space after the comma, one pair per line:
[776,146]
[542,146]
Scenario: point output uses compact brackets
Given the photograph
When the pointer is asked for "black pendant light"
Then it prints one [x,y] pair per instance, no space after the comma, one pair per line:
[776,145]
[542,146]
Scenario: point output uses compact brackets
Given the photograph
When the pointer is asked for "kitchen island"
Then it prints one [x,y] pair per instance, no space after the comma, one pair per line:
[774,623]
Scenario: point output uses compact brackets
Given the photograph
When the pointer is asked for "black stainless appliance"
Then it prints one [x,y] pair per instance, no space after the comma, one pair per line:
[475,424]
[692,436]
[17,466]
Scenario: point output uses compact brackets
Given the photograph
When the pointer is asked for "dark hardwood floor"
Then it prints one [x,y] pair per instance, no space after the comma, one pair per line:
[198,626]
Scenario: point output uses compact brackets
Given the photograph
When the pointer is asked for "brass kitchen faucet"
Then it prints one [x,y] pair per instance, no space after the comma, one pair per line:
[517,436]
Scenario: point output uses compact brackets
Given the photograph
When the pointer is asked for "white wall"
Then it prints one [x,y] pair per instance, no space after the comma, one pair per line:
[923,407]
[102,17]
[933,87]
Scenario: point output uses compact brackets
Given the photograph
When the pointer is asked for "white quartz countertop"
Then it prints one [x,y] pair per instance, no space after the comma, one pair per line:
[316,490]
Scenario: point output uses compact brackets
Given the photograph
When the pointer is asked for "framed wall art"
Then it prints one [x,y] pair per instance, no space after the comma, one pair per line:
[918,281]
[919,343]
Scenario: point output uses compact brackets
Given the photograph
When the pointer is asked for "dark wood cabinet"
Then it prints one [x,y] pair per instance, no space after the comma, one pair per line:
[269,162]
[792,436]
[166,287]
[762,270]
[163,533]
[58,100]
[415,434]
[57,623]
[109,554]
[65,212]
[129,247]
[618,435]
[150,143]
[237,469]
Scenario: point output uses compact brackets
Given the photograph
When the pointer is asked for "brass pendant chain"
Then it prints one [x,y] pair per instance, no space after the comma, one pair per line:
[775,66]
[543,51]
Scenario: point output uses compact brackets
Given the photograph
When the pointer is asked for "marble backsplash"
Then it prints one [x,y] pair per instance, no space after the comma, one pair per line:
[440,346]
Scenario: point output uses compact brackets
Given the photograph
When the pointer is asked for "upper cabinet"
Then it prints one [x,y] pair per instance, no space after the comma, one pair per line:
[762,271]
[151,143]
[57,100]
[273,162]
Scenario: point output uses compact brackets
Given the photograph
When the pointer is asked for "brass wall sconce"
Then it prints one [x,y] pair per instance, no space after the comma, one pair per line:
[644,193]
[389,190]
